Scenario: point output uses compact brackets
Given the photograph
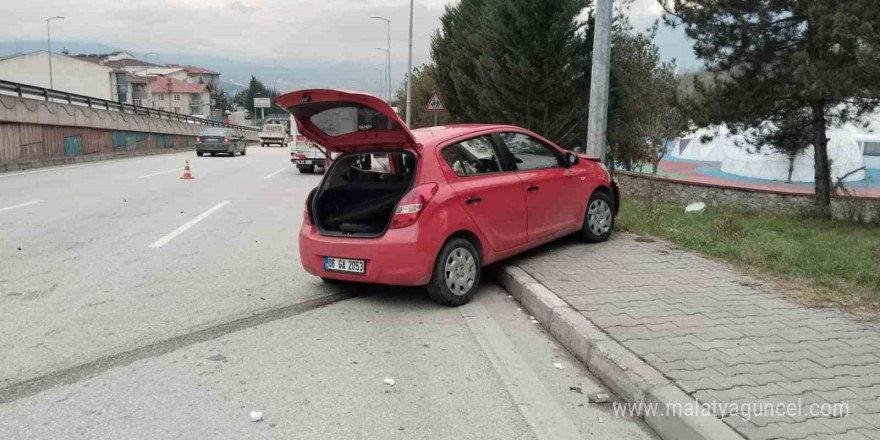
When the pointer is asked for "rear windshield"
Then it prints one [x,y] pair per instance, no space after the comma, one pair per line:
[340,118]
[274,128]
[215,131]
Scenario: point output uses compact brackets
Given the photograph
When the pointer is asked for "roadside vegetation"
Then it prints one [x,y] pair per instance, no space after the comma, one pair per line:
[825,262]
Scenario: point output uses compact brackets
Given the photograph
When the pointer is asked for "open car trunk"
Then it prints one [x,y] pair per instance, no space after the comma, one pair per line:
[360,193]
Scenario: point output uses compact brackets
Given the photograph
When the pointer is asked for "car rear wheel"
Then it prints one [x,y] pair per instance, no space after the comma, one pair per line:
[244,151]
[599,219]
[199,153]
[456,274]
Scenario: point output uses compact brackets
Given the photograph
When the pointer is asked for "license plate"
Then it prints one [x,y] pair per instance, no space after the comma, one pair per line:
[344,265]
[210,140]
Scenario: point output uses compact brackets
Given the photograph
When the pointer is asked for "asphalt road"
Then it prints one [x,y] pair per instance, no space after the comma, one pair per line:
[134,304]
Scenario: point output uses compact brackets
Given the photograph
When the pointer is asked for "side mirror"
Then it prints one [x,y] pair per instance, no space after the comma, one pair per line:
[572,159]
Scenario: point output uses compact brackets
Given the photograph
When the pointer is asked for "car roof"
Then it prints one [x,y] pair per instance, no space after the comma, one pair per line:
[433,136]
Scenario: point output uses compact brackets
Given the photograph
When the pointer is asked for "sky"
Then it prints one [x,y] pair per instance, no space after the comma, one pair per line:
[283,31]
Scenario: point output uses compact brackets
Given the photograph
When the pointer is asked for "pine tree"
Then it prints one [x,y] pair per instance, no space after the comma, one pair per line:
[518,62]
[776,60]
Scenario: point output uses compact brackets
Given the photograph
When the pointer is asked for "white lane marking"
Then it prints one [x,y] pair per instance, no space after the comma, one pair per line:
[541,411]
[274,173]
[160,172]
[21,205]
[173,234]
[45,170]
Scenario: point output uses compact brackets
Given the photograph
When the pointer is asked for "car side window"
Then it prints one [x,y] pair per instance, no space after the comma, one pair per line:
[472,157]
[529,153]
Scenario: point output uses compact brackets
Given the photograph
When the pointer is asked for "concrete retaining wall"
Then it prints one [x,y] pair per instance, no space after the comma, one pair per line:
[33,133]
[680,192]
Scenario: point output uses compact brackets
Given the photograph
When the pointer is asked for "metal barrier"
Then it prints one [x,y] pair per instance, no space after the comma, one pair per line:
[50,95]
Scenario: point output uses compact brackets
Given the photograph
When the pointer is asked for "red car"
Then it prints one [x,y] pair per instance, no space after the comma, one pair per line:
[434,205]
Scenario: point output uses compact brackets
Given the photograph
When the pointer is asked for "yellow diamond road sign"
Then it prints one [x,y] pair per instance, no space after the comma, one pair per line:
[435,104]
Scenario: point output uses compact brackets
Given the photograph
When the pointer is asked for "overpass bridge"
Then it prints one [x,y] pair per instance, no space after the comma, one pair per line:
[44,127]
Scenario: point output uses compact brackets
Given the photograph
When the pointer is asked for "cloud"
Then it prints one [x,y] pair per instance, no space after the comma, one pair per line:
[289,32]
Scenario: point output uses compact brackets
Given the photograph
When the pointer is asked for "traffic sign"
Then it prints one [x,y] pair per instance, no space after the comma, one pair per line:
[435,104]
[262,102]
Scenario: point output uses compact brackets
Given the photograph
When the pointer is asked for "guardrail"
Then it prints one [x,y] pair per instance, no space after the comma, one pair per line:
[50,95]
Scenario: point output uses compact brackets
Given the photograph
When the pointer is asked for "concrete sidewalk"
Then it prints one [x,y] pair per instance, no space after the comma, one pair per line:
[716,335]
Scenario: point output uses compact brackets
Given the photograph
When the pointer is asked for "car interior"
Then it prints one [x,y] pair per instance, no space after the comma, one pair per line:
[361,191]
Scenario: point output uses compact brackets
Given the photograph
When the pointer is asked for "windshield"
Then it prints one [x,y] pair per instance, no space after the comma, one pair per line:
[340,118]
[216,131]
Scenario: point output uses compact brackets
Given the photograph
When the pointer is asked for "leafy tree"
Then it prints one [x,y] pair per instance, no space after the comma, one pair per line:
[519,62]
[424,85]
[779,60]
[662,118]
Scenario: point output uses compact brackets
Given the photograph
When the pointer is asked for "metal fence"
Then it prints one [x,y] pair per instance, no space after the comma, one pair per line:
[50,95]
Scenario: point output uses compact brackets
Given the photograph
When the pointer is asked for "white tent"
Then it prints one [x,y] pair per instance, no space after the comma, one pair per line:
[843,150]
[694,148]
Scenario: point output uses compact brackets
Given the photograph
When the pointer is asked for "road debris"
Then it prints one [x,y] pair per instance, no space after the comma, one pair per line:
[599,397]
[534,321]
[389,381]
[578,390]
[256,416]
[558,366]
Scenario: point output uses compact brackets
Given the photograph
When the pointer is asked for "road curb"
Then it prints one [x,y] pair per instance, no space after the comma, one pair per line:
[621,370]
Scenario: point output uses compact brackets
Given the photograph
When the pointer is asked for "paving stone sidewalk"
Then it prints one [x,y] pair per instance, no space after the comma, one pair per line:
[722,336]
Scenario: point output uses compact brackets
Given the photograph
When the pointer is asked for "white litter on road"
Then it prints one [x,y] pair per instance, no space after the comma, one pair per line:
[256,416]
[389,381]
[534,321]
[558,366]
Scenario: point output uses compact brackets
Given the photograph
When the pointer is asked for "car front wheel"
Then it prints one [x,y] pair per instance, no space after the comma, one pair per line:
[456,274]
[598,220]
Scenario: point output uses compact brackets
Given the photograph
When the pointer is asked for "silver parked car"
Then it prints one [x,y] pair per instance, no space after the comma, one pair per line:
[220,140]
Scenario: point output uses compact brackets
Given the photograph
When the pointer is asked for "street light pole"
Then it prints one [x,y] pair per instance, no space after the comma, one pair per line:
[388,55]
[597,133]
[409,68]
[381,81]
[49,44]
[388,83]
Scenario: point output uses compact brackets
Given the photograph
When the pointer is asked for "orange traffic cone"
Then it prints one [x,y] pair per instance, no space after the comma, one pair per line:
[186,172]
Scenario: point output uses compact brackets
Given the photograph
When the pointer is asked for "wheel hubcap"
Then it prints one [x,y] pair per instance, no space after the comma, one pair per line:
[599,217]
[460,271]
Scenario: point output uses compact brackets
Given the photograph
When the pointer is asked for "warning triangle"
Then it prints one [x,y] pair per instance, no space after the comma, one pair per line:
[435,104]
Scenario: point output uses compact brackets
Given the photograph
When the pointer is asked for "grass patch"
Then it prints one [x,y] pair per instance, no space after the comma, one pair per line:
[829,262]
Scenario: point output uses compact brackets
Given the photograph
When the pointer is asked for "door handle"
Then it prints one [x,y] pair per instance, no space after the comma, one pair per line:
[473,200]
[533,188]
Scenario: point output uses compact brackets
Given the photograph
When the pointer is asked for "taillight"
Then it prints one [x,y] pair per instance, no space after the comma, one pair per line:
[412,205]
[299,156]
[226,140]
[198,139]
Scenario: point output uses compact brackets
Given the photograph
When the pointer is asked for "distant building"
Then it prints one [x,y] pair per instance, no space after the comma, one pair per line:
[69,74]
[182,97]
[119,76]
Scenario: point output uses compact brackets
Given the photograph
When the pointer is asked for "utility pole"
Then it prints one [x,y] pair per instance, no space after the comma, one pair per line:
[409,68]
[597,134]
[49,44]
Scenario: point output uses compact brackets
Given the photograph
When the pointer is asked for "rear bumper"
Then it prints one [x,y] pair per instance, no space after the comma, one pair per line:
[308,162]
[272,140]
[215,148]
[392,259]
